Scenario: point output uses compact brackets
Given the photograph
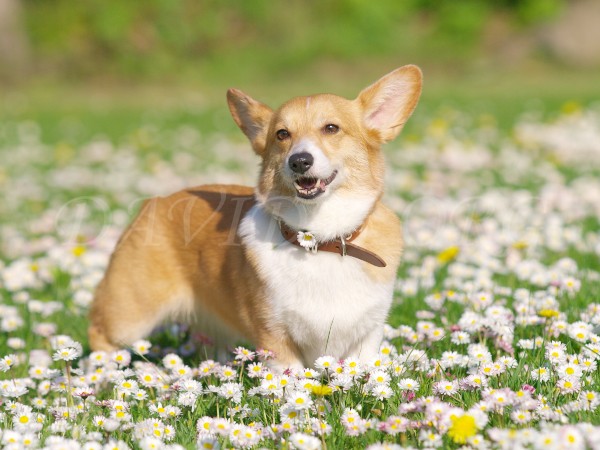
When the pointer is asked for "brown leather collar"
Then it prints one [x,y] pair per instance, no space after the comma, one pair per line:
[340,246]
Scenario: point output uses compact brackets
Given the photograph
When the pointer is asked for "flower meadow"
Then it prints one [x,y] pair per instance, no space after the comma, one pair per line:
[493,340]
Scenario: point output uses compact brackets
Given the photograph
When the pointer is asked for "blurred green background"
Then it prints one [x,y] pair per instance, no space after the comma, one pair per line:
[113,64]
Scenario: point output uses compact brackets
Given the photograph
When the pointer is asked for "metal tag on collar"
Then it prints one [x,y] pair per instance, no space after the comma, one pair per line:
[343,241]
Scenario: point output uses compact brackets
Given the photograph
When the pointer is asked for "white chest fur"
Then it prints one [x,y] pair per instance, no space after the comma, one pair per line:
[326,303]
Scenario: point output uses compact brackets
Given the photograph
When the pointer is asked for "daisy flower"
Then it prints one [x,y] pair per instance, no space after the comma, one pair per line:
[381,391]
[220,426]
[445,387]
[308,373]
[243,354]
[352,422]
[7,362]
[475,381]
[204,425]
[182,372]
[290,413]
[231,391]
[408,384]
[379,377]
[148,378]
[307,240]
[140,395]
[460,337]
[568,385]
[451,359]
[172,361]
[547,439]
[227,373]
[98,358]
[590,398]
[66,354]
[521,417]
[303,441]
[540,374]
[141,347]
[587,364]
[255,369]
[325,363]
[208,442]
[430,439]
[270,387]
[150,443]
[580,331]
[569,370]
[300,400]
[127,386]
[121,357]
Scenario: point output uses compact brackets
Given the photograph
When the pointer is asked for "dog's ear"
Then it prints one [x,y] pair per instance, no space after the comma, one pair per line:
[251,116]
[388,103]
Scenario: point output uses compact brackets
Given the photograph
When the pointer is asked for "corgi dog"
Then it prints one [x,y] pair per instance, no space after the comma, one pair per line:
[303,265]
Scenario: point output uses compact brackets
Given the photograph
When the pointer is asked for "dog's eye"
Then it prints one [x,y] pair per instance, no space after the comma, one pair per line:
[282,134]
[330,128]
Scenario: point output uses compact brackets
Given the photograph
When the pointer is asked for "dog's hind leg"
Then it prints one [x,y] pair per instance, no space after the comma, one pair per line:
[124,311]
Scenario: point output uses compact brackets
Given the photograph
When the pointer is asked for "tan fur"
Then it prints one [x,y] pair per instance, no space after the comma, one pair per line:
[182,257]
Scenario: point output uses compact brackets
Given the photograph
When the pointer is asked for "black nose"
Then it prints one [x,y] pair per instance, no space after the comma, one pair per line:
[301,162]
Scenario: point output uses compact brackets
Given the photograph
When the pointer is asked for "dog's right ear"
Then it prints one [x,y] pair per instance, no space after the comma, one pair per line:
[251,116]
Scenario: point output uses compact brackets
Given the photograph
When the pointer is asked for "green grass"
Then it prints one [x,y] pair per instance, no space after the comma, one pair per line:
[76,112]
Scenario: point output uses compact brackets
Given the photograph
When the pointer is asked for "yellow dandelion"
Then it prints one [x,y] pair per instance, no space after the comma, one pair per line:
[548,313]
[462,428]
[449,254]
[321,391]
[571,107]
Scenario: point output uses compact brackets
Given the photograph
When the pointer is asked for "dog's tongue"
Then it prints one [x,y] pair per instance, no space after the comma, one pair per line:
[307,183]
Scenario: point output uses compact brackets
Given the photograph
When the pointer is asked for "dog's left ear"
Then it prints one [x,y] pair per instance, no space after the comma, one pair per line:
[388,103]
[251,116]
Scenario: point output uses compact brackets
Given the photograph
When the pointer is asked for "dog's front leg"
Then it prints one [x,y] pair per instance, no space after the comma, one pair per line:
[286,352]
[367,350]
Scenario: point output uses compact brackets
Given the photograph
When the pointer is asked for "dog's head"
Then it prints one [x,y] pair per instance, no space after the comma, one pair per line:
[316,147]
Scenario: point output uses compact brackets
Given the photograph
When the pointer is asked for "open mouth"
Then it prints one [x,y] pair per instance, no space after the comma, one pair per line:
[309,187]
